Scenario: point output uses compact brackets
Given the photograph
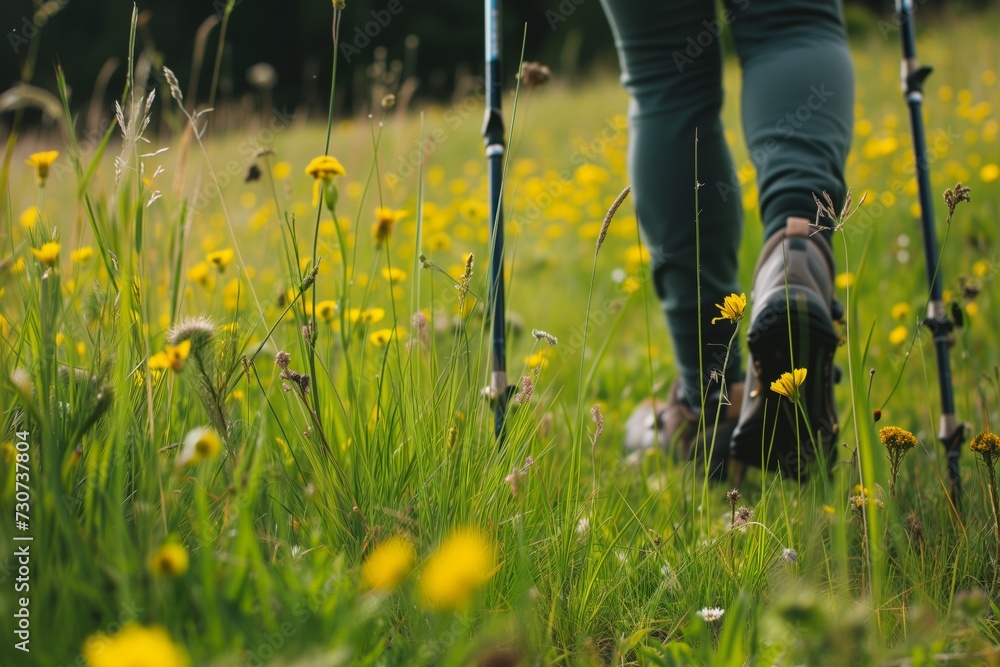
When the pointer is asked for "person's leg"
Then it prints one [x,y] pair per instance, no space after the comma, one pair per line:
[671,66]
[797,107]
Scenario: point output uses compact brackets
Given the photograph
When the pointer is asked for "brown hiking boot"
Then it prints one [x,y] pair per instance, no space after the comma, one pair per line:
[791,327]
[672,425]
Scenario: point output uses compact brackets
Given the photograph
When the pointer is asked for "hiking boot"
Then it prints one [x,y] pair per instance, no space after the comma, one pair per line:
[673,427]
[791,327]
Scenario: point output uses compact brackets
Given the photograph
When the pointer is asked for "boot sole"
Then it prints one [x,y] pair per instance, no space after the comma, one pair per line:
[772,434]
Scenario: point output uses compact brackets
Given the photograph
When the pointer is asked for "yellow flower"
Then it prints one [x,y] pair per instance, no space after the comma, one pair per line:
[48,254]
[172,357]
[170,560]
[134,646]
[387,564]
[382,337]
[199,274]
[989,172]
[220,258]
[394,275]
[899,335]
[325,310]
[282,170]
[789,383]
[972,309]
[200,443]
[385,218]
[323,169]
[731,308]
[986,442]
[462,564]
[901,311]
[845,280]
[41,162]
[82,255]
[895,438]
[30,217]
[981,268]
[539,359]
[372,315]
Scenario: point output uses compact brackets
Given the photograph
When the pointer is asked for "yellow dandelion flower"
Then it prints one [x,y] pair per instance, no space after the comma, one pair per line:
[990,172]
[972,309]
[539,359]
[463,563]
[323,169]
[372,315]
[731,308]
[199,444]
[899,335]
[901,311]
[48,254]
[170,560]
[220,258]
[82,255]
[41,162]
[199,273]
[172,357]
[385,218]
[394,275]
[30,217]
[382,337]
[387,564]
[789,384]
[325,310]
[980,268]
[282,170]
[845,280]
[135,646]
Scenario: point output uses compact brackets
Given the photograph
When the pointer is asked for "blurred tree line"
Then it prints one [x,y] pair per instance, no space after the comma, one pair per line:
[383,43]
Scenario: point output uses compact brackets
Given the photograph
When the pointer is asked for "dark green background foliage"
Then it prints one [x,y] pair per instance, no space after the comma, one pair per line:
[294,36]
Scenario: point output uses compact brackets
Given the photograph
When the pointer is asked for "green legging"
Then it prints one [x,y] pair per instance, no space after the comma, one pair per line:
[797,110]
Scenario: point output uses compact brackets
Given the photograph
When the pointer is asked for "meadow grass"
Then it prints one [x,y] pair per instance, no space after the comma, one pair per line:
[185,473]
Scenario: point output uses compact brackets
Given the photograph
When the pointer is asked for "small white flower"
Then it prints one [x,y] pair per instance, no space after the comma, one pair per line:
[711,614]
[583,526]
[789,555]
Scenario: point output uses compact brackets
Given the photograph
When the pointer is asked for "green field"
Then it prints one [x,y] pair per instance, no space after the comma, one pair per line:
[194,501]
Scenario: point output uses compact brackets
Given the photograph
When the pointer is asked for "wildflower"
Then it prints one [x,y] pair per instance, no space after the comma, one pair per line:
[30,217]
[41,162]
[986,443]
[372,315]
[199,274]
[462,564]
[48,254]
[896,439]
[325,310]
[323,169]
[534,75]
[172,357]
[789,384]
[538,334]
[220,258]
[136,646]
[170,560]
[387,564]
[711,614]
[731,308]
[382,337]
[789,555]
[394,275]
[199,331]
[733,496]
[527,388]
[901,311]
[899,335]
[200,443]
[844,280]
[743,516]
[82,255]
[385,218]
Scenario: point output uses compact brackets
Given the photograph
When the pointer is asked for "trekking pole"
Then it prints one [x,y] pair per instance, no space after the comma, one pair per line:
[950,431]
[493,135]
